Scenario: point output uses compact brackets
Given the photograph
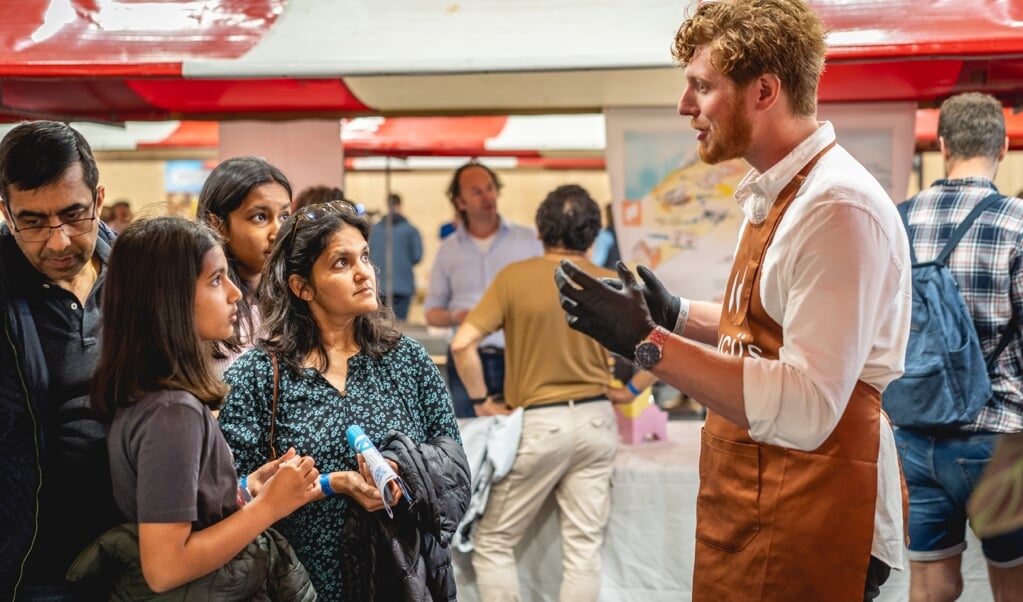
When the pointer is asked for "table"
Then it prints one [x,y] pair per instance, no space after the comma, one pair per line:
[650,543]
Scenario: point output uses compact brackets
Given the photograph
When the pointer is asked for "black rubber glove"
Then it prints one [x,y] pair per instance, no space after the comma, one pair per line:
[663,306]
[617,318]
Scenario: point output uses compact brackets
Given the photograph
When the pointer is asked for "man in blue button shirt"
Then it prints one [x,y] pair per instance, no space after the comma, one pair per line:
[466,262]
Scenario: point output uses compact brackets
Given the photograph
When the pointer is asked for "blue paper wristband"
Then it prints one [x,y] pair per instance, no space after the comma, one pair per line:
[631,387]
[325,485]
[244,495]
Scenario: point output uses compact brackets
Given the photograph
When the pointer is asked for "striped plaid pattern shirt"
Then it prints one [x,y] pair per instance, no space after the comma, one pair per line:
[988,266]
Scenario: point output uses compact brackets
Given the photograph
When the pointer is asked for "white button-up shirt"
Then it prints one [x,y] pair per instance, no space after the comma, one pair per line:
[836,277]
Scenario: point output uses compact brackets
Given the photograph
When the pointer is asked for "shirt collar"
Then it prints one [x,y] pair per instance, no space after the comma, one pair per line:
[463,233]
[967,182]
[757,192]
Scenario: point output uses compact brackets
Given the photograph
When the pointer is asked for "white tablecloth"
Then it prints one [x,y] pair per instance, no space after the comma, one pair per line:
[650,542]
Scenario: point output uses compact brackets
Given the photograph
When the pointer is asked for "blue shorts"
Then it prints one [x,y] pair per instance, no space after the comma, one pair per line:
[941,472]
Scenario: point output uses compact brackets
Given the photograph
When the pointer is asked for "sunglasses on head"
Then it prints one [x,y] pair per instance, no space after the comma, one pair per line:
[312,213]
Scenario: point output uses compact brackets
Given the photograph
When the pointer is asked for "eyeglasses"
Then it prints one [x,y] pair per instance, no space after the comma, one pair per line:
[70,228]
[312,213]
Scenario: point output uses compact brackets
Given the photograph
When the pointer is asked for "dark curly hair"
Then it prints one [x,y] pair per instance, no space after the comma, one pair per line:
[291,331]
[972,125]
[568,218]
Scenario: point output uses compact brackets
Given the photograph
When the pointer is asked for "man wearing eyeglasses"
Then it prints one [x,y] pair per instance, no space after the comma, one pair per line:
[56,493]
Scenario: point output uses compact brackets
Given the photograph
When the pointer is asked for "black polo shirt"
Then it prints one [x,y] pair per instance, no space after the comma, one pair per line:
[76,503]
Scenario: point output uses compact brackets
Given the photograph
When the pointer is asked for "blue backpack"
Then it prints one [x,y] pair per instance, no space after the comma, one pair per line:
[946,381]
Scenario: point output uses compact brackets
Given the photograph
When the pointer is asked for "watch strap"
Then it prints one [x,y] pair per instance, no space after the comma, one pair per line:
[657,336]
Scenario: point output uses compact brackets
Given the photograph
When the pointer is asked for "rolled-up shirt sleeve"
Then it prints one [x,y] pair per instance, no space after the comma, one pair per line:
[831,286]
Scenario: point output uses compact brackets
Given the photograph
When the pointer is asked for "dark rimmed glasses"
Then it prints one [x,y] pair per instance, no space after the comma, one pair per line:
[312,213]
[71,228]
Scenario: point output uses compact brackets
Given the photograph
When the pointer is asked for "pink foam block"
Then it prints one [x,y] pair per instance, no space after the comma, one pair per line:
[650,425]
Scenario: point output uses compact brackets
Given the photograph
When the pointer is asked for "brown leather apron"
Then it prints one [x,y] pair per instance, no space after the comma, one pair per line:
[774,523]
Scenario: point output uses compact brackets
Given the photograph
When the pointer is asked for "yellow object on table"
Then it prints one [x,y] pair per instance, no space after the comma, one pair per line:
[637,405]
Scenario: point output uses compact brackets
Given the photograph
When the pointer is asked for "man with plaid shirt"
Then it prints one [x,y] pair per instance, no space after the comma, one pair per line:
[941,469]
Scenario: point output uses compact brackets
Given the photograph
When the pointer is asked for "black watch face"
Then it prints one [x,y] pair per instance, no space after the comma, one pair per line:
[647,354]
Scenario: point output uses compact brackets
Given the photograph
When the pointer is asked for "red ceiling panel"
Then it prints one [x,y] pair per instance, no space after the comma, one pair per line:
[883,29]
[192,96]
[105,38]
[450,136]
[115,60]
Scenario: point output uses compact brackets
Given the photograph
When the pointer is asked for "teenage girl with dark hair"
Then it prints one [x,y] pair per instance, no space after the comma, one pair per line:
[173,474]
[246,200]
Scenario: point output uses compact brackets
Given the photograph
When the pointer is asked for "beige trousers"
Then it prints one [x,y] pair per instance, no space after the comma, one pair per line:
[567,451]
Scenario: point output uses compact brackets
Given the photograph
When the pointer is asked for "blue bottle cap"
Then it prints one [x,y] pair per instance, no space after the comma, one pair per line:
[353,433]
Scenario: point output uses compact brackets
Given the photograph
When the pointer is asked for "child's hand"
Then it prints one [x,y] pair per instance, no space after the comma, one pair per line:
[262,474]
[619,395]
[294,485]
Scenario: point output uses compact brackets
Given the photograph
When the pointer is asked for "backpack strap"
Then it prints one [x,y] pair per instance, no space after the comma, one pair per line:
[966,224]
[1007,336]
[960,231]
[957,235]
[904,214]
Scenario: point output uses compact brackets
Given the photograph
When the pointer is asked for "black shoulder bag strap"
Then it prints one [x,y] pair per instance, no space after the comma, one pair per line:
[273,404]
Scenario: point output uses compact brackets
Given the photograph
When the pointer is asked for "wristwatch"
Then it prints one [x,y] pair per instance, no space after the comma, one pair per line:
[649,350]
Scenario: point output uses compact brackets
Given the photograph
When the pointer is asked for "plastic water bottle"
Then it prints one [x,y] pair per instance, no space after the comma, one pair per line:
[382,472]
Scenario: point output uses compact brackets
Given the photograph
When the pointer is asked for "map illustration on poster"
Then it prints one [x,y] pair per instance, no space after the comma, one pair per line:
[677,215]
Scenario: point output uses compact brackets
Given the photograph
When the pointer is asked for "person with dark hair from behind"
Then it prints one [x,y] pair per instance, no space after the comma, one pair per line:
[986,265]
[315,195]
[246,199]
[194,530]
[396,281]
[801,496]
[332,358]
[465,264]
[53,251]
[560,378]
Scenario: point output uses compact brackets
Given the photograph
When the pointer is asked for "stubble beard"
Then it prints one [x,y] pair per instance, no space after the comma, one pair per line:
[729,141]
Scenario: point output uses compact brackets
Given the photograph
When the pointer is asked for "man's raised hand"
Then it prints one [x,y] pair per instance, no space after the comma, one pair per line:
[616,317]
